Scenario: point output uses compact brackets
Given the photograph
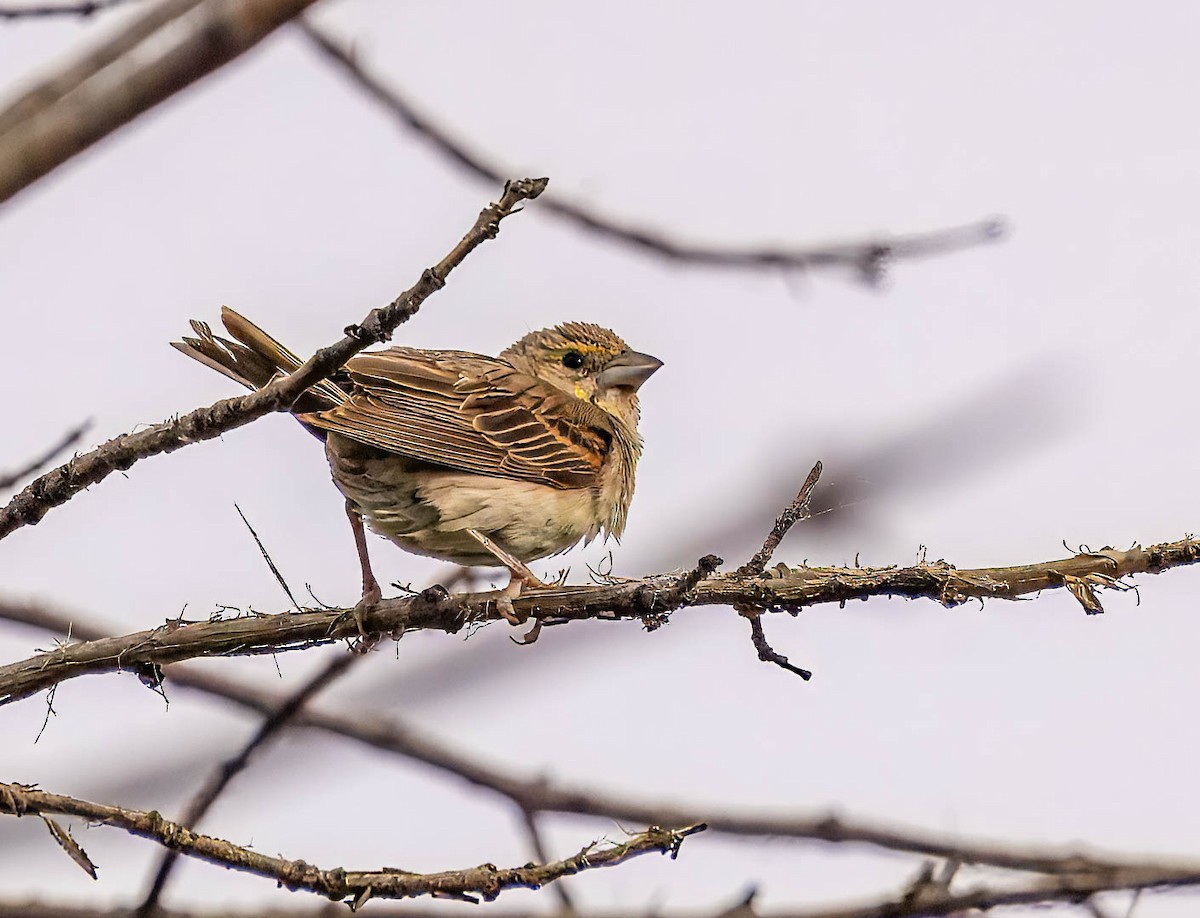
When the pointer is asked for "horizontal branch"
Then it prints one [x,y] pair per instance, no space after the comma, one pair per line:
[868,259]
[650,600]
[61,484]
[486,881]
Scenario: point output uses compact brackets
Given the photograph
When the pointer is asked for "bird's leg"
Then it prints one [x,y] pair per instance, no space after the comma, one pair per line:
[515,565]
[371,593]
[520,576]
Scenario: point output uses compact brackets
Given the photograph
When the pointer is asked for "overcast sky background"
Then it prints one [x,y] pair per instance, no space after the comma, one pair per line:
[1000,400]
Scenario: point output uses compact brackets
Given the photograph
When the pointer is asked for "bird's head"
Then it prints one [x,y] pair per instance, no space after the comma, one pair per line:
[589,362]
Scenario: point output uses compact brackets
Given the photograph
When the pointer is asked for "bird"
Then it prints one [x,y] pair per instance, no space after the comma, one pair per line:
[476,460]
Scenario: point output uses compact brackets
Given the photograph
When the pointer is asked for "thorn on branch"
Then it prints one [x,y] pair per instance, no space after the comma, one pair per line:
[768,654]
[70,846]
[796,510]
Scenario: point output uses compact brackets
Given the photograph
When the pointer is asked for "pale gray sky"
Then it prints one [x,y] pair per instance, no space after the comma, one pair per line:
[1064,357]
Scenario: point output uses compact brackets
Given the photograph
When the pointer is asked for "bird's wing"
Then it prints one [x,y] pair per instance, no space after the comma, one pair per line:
[472,413]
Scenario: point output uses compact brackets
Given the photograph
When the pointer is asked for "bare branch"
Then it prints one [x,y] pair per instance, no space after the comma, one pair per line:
[536,795]
[9,479]
[61,484]
[167,48]
[648,600]
[51,10]
[202,802]
[867,259]
[486,881]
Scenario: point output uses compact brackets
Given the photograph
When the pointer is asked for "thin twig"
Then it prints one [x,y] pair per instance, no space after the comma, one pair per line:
[69,439]
[794,511]
[202,802]
[486,881]
[60,485]
[867,259]
[267,557]
[768,654]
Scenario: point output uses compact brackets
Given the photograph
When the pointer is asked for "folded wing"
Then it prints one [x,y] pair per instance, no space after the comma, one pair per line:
[472,413]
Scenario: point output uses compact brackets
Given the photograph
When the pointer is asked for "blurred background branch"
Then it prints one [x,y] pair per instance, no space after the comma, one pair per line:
[169,46]
[867,260]
[51,10]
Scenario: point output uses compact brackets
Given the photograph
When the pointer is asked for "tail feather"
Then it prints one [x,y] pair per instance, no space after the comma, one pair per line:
[253,359]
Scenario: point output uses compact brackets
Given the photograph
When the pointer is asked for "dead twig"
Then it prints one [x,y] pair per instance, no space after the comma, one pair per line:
[768,654]
[796,510]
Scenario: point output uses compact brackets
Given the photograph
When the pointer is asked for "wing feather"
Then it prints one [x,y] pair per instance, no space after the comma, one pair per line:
[472,413]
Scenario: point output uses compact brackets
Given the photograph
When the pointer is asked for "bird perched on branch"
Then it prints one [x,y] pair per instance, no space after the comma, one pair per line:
[477,460]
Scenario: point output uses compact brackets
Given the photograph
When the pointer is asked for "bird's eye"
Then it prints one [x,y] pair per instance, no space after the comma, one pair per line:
[572,360]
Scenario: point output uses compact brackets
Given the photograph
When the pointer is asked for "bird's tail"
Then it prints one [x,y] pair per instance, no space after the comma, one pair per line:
[253,359]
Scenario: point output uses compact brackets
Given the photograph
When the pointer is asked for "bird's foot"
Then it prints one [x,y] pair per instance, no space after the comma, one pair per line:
[520,576]
[505,605]
[370,597]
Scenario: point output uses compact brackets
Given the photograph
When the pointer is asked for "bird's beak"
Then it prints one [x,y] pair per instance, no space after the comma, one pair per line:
[629,369]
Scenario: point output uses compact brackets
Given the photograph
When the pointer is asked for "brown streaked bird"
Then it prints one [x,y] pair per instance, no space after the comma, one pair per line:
[494,461]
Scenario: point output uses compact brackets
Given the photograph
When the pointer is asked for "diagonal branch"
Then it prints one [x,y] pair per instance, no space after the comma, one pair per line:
[649,600]
[486,881]
[69,439]
[868,259]
[60,485]
[165,49]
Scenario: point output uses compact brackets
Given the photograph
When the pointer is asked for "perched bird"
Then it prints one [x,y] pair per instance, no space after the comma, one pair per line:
[477,460]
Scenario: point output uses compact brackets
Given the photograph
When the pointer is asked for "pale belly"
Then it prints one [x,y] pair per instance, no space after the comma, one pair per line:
[427,510]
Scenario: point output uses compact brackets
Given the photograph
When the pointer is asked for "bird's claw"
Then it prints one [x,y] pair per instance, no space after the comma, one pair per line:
[504,605]
[530,636]
[370,597]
